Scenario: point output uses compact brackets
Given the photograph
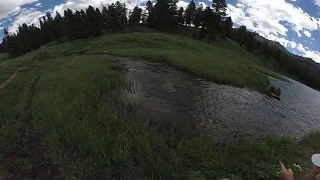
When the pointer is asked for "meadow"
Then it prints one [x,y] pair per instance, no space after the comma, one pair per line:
[89,128]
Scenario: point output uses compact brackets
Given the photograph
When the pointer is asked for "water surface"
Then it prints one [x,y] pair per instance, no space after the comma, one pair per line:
[194,104]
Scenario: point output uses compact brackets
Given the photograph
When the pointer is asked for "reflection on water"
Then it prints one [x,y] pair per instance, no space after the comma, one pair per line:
[195,104]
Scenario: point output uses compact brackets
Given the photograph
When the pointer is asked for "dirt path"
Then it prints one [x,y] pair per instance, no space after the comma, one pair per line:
[43,168]
[4,84]
[31,148]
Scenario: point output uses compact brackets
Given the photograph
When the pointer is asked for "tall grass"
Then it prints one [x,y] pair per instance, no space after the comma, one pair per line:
[12,124]
[4,57]
[92,132]
[222,62]
[91,128]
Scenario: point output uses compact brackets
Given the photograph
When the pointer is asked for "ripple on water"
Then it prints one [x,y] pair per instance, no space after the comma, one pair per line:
[195,104]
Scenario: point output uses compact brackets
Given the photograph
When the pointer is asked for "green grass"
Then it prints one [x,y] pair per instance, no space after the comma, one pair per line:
[91,130]
[4,57]
[224,63]
[12,115]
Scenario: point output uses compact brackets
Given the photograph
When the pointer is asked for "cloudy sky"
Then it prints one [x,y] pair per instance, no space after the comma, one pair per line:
[294,23]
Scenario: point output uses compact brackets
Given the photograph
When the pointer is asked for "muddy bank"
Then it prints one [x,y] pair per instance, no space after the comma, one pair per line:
[194,104]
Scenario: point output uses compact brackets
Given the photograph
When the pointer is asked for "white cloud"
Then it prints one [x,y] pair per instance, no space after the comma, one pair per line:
[274,21]
[309,53]
[183,4]
[31,15]
[307,33]
[26,15]
[8,7]
[299,34]
[82,4]
[38,4]
[204,5]
[317,2]
[272,17]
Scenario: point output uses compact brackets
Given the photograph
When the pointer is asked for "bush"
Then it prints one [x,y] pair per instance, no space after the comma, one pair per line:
[277,91]
[272,89]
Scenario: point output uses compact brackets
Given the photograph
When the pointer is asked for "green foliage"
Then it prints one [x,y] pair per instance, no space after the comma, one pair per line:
[218,63]
[241,34]
[190,13]
[135,16]
[228,27]
[180,16]
[4,57]
[166,15]
[220,7]
[198,16]
[87,123]
[274,90]
[277,91]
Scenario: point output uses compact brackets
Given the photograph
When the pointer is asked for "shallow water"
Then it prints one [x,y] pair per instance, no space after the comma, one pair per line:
[194,104]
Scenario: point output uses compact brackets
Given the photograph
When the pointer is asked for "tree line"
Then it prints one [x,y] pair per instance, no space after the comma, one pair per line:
[164,16]
[278,59]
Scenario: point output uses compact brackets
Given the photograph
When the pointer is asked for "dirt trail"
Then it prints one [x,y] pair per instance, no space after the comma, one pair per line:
[31,147]
[43,169]
[4,84]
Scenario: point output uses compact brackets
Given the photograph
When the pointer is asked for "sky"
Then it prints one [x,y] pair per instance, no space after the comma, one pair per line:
[293,23]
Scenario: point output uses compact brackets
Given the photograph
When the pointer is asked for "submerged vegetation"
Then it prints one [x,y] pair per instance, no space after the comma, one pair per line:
[276,92]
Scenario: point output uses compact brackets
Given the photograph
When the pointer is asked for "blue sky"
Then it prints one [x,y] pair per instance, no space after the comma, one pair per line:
[294,23]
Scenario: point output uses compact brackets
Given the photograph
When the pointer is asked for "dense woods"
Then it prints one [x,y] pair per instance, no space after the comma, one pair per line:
[165,16]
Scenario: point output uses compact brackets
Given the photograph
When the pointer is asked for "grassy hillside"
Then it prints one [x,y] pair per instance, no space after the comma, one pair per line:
[4,57]
[223,62]
[88,128]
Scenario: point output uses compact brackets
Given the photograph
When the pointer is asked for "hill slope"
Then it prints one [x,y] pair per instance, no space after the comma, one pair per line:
[73,111]
[223,62]
[310,66]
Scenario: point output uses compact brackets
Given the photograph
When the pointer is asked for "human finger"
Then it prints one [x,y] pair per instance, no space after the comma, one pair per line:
[282,167]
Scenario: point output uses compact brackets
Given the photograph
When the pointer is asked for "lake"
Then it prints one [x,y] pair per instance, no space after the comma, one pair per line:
[222,111]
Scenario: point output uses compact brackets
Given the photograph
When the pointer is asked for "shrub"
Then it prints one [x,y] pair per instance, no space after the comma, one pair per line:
[272,89]
[277,91]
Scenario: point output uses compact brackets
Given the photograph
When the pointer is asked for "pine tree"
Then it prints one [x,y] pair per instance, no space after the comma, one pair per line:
[249,40]
[207,20]
[70,29]
[98,24]
[277,55]
[104,18]
[180,16]
[151,14]
[162,13]
[121,15]
[58,27]
[264,48]
[93,22]
[228,27]
[220,7]
[172,16]
[241,34]
[112,18]
[84,26]
[190,13]
[135,17]
[198,17]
